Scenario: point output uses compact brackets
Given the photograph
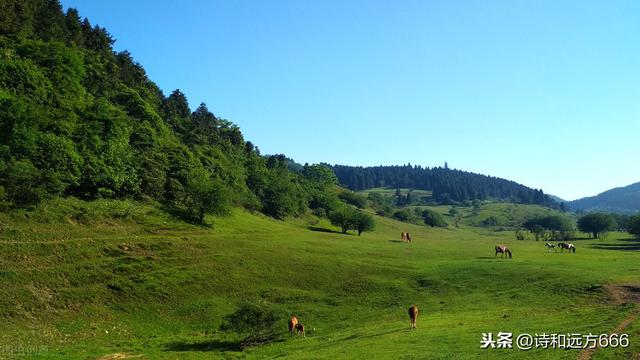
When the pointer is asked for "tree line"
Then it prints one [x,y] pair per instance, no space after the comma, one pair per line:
[560,227]
[79,119]
[449,186]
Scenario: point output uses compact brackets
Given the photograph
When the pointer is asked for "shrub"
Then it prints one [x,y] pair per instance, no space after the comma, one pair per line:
[404,215]
[433,219]
[255,322]
[354,199]
[491,221]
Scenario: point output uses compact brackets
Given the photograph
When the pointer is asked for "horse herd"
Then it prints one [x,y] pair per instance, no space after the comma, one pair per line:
[501,249]
[561,246]
[296,327]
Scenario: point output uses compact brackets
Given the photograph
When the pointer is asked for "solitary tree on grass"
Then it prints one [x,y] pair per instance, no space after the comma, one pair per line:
[363,222]
[343,218]
[596,223]
[348,218]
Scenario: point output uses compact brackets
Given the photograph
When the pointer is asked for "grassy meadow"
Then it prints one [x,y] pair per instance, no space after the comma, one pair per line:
[119,279]
[386,191]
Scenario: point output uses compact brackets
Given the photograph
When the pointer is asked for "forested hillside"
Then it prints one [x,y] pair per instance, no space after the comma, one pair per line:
[78,119]
[621,200]
[447,184]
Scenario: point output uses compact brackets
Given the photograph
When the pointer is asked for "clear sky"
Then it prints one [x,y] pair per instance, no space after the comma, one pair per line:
[545,93]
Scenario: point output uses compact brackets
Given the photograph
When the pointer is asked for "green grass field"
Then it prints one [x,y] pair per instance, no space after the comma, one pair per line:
[117,279]
[506,215]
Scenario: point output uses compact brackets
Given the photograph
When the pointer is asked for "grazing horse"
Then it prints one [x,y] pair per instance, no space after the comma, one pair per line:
[502,250]
[567,246]
[293,323]
[413,316]
[550,246]
[300,329]
[408,237]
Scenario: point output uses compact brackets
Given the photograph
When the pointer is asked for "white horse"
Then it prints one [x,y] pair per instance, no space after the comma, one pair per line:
[550,246]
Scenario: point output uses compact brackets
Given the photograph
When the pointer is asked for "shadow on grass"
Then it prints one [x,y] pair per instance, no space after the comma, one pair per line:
[397,241]
[603,237]
[212,345]
[183,215]
[486,257]
[374,335]
[623,247]
[622,244]
[633,240]
[577,239]
[319,229]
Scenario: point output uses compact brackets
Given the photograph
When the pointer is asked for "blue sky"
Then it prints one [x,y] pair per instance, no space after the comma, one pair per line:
[545,93]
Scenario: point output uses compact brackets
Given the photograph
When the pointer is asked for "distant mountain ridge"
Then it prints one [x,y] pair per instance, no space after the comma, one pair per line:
[557,198]
[620,200]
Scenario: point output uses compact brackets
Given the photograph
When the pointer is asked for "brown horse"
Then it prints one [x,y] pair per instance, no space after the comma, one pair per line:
[502,250]
[293,323]
[413,316]
[408,237]
[300,329]
[404,236]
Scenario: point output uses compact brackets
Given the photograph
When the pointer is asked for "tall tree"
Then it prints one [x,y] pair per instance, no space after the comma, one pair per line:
[205,195]
[363,222]
[596,223]
[344,217]
[633,225]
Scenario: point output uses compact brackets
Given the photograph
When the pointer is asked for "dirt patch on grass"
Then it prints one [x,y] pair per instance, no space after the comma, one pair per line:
[620,295]
[624,294]
[42,294]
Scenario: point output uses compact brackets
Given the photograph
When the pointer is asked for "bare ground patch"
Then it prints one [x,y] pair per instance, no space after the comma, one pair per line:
[619,294]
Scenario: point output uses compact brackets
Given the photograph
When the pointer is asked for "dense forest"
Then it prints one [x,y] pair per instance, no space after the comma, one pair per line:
[448,185]
[79,119]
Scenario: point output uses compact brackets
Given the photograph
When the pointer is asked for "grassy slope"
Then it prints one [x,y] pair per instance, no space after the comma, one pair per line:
[507,215]
[160,288]
[392,191]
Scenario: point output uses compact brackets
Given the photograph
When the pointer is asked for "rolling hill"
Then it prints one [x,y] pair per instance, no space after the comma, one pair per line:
[620,200]
[446,185]
[117,279]
[111,248]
